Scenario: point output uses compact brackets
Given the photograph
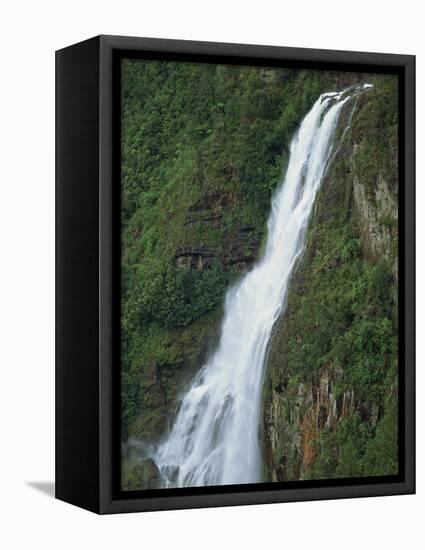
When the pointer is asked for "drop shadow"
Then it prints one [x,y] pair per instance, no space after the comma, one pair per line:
[46,487]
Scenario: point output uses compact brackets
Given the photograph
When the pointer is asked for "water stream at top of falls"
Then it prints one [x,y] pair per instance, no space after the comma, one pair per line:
[215,438]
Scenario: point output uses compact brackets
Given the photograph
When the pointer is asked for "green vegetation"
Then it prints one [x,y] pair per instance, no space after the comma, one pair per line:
[342,314]
[203,148]
[376,132]
[355,448]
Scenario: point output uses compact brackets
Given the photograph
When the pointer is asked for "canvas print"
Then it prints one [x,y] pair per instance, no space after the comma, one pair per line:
[259,274]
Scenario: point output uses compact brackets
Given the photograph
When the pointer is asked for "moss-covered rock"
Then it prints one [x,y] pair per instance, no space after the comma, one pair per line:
[142,475]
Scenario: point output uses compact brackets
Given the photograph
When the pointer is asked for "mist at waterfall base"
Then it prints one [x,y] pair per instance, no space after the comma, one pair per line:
[215,439]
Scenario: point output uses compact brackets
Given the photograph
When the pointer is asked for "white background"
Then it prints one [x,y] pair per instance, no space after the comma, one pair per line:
[30,31]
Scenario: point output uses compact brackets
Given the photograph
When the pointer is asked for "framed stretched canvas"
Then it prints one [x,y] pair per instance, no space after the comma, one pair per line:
[235,274]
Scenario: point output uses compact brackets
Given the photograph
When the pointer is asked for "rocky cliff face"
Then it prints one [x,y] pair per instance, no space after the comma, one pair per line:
[313,406]
[165,377]
[327,411]
[238,247]
[378,217]
[183,350]
[200,162]
[202,150]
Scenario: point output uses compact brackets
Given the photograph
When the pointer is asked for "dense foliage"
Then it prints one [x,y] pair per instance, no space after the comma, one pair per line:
[203,149]
[190,132]
[342,305]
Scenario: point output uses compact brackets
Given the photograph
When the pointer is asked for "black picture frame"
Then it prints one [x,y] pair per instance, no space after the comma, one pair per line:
[87,274]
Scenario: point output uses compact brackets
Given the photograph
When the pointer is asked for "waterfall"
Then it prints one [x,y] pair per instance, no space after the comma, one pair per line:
[215,438]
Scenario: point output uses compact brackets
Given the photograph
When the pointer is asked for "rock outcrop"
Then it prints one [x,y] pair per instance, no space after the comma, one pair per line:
[142,473]
[378,217]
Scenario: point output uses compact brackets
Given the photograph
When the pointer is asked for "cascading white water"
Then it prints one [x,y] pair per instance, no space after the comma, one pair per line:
[215,438]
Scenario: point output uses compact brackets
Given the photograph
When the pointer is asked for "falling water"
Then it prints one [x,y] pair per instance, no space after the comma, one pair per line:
[215,438]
